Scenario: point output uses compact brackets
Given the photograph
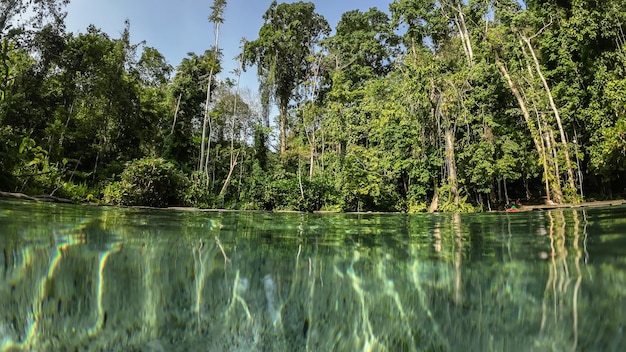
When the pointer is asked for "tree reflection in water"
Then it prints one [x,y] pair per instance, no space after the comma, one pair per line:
[76,278]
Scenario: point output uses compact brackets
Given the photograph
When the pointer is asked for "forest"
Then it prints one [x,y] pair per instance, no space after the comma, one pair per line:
[427,105]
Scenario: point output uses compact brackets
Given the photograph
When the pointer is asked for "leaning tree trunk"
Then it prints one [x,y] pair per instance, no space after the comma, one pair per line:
[568,163]
[233,163]
[531,126]
[459,21]
[176,112]
[233,157]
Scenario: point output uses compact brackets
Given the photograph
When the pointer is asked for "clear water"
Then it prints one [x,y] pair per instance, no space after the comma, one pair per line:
[78,278]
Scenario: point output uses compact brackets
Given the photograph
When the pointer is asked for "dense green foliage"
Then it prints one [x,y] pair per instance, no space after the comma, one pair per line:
[149,181]
[438,105]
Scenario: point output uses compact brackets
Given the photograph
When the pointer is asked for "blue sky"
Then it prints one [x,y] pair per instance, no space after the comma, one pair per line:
[181,26]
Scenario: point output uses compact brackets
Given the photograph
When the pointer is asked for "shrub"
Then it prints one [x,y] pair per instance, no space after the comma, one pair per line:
[286,194]
[198,194]
[255,190]
[152,182]
[77,192]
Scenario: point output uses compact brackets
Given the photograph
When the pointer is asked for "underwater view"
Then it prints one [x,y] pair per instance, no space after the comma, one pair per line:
[86,278]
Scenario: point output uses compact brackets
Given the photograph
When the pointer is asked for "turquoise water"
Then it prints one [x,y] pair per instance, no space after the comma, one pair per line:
[76,278]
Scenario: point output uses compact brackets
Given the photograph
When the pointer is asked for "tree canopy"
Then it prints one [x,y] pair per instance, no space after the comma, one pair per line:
[439,105]
[283,52]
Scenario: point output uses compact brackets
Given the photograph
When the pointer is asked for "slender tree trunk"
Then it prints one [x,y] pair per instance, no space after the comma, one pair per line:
[451,164]
[300,179]
[208,153]
[233,157]
[233,163]
[206,106]
[243,158]
[67,123]
[312,140]
[531,126]
[176,112]
[556,187]
[459,20]
[463,42]
[468,41]
[283,127]
[568,163]
[312,150]
[434,204]
[558,192]
[456,13]
[546,173]
[312,155]
[578,168]
[205,122]
[506,191]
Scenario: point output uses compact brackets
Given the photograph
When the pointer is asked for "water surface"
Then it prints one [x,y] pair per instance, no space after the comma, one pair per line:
[107,279]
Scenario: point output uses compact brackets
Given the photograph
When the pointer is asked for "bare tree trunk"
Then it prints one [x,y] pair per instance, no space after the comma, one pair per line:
[529,122]
[312,149]
[456,13]
[243,158]
[208,153]
[176,112]
[205,123]
[558,192]
[300,179]
[323,145]
[312,155]
[283,128]
[468,41]
[546,173]
[506,191]
[67,123]
[459,20]
[233,163]
[434,204]
[312,140]
[233,157]
[206,107]
[568,163]
[451,163]
[556,196]
[556,187]
[578,168]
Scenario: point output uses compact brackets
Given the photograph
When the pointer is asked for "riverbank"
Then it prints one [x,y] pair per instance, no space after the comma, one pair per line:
[521,208]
